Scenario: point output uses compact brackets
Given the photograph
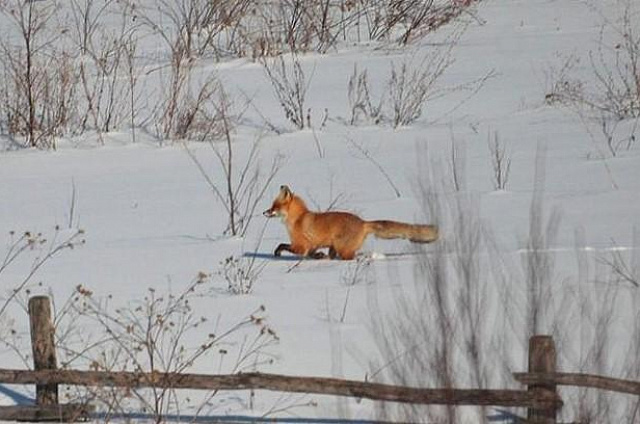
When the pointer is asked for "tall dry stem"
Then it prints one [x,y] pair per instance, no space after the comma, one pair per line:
[243,184]
[290,84]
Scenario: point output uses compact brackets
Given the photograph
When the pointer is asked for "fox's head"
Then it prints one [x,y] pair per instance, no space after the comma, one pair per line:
[280,206]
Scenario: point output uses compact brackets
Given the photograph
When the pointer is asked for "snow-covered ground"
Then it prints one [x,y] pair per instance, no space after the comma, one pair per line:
[151,221]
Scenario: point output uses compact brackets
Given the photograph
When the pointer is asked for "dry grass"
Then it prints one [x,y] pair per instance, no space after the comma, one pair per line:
[65,74]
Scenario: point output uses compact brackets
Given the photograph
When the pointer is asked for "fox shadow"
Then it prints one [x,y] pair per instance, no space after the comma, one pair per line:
[271,256]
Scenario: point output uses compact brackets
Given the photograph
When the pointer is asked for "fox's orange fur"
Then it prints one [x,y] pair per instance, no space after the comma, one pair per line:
[342,232]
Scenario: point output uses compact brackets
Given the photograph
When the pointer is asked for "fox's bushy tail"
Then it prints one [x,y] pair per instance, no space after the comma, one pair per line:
[416,233]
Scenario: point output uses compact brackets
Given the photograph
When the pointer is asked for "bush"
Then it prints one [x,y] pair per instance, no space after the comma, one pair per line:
[612,94]
[467,318]
[290,85]
[160,333]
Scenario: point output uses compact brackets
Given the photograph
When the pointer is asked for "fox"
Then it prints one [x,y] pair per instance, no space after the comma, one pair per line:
[343,233]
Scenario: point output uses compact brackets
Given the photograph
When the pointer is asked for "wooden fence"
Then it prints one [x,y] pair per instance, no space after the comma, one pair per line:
[540,396]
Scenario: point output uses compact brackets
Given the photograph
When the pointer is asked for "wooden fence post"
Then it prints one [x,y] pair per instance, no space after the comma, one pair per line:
[42,343]
[542,359]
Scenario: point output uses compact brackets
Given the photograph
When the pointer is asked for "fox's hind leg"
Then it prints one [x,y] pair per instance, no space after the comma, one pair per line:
[346,254]
[315,254]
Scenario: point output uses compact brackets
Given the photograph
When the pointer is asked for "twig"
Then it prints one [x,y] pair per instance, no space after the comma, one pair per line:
[294,266]
[368,156]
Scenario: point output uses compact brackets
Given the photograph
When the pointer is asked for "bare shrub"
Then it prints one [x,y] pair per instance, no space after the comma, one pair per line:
[243,184]
[130,48]
[614,64]
[612,94]
[360,99]
[323,23]
[178,25]
[59,100]
[51,89]
[67,73]
[217,25]
[290,85]
[160,333]
[319,25]
[193,28]
[402,22]
[409,89]
[500,162]
[169,112]
[104,55]
[39,82]
[598,336]
[467,318]
[411,84]
[534,309]
[424,339]
[240,274]
[36,250]
[45,249]
[625,271]
[437,333]
[296,26]
[189,109]
[194,117]
[537,266]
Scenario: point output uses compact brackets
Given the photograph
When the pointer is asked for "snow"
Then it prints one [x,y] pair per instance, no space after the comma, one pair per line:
[151,221]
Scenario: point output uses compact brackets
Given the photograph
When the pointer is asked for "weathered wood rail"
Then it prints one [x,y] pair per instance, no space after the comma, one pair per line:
[540,397]
[283,383]
[590,381]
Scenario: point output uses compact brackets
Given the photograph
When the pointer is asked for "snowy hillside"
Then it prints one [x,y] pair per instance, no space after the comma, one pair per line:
[517,150]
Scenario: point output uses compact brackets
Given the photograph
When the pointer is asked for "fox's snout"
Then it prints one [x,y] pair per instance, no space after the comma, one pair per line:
[280,204]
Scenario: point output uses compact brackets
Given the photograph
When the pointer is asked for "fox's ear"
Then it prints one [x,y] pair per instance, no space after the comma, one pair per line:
[285,191]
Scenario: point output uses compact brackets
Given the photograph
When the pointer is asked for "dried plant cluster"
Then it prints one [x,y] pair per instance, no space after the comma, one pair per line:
[468,317]
[162,332]
[607,101]
[411,83]
[66,74]
[240,274]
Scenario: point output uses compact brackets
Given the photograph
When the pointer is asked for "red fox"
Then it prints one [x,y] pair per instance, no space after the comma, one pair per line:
[342,232]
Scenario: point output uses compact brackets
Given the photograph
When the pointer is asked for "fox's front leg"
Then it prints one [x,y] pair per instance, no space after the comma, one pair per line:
[297,250]
[282,246]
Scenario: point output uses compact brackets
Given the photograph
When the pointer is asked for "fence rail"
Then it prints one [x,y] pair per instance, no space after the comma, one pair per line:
[580,380]
[283,383]
[540,396]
